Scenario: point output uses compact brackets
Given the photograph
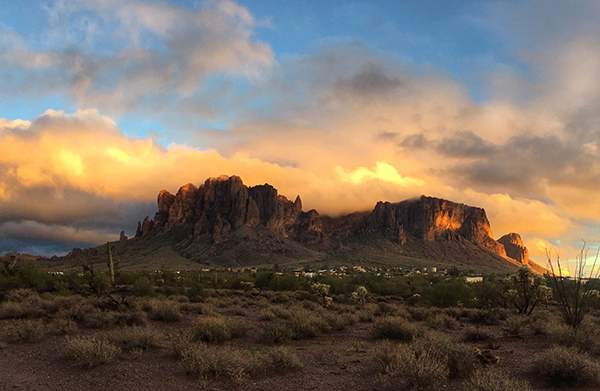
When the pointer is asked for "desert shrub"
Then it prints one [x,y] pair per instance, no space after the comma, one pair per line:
[135,318]
[450,293]
[524,290]
[199,308]
[459,358]
[442,322]
[22,295]
[24,330]
[90,352]
[414,368]
[495,380]
[237,327]
[62,326]
[208,362]
[488,316]
[586,337]
[339,322]
[235,310]
[132,338]
[360,295]
[321,291]
[267,314]
[182,341]
[304,327]
[477,334]
[367,313]
[575,297]
[276,332]
[77,311]
[277,360]
[454,312]
[20,310]
[282,313]
[385,309]
[515,326]
[421,313]
[310,305]
[489,293]
[98,319]
[165,310]
[566,366]
[395,328]
[143,287]
[212,329]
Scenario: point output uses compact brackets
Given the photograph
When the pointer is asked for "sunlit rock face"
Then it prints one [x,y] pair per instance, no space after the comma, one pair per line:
[220,205]
[515,248]
[429,218]
[223,204]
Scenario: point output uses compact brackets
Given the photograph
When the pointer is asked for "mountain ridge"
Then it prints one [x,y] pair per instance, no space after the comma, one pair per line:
[224,222]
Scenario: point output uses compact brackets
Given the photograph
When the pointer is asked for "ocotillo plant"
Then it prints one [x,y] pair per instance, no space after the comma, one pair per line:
[111,266]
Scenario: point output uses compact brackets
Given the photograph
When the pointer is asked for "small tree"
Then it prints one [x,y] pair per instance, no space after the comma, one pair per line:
[575,295]
[322,292]
[525,290]
[360,295]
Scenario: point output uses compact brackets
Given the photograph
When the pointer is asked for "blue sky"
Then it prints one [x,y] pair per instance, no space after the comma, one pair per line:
[490,103]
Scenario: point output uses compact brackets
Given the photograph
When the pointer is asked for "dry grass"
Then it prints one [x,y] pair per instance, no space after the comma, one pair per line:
[63,326]
[165,310]
[566,366]
[477,334]
[24,330]
[396,328]
[90,352]
[409,367]
[495,380]
[133,338]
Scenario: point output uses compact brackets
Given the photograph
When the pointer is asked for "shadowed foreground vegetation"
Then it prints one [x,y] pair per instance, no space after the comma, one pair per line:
[237,330]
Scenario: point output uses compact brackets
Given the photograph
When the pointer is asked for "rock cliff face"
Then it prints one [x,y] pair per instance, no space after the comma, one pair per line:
[218,207]
[515,248]
[428,218]
[223,204]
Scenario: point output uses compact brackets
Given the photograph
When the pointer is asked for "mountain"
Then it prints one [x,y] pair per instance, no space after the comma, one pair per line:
[225,223]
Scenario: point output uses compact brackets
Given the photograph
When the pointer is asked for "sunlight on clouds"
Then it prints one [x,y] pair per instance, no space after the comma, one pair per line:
[521,215]
[383,171]
[69,163]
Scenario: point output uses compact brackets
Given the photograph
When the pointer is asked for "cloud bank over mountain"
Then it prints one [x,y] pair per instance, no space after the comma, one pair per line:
[344,124]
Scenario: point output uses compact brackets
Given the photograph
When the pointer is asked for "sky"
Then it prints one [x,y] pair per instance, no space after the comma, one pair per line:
[103,103]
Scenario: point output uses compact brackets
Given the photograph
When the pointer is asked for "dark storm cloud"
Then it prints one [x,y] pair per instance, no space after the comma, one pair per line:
[465,144]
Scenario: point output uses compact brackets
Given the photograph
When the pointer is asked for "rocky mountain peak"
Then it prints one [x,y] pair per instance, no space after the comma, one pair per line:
[224,203]
[515,248]
[217,208]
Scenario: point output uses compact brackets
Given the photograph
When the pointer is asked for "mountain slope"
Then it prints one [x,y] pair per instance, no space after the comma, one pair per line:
[225,223]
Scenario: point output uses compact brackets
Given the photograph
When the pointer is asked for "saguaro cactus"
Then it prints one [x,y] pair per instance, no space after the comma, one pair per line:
[111,266]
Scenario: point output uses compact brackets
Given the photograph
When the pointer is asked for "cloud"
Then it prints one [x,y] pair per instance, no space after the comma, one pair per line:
[344,125]
[382,171]
[134,56]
